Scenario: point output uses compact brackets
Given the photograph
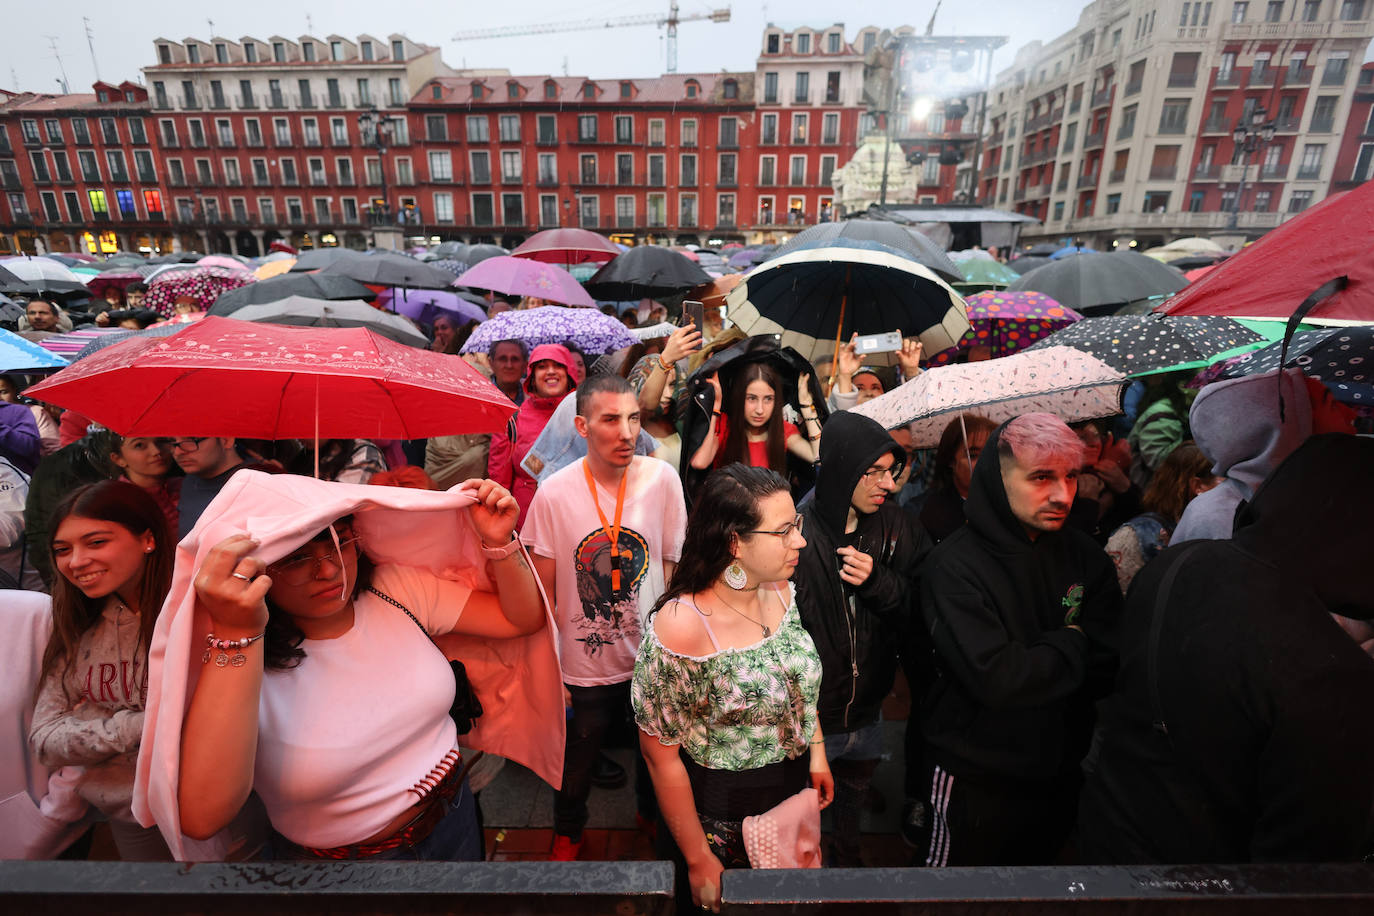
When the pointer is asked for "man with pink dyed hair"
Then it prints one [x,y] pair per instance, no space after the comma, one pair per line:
[1020,611]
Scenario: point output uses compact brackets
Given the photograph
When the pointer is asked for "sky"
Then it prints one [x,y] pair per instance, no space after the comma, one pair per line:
[123,33]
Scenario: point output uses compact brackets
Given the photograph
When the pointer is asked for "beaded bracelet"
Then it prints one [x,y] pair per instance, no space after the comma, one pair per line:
[224,645]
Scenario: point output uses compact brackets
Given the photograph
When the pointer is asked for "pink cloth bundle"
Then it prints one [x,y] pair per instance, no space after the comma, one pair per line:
[786,836]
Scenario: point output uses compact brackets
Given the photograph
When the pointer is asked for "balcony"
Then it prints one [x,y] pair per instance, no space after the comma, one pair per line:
[512,179]
[995,139]
[190,105]
[219,104]
[1261,76]
[1298,77]
[334,101]
[1094,140]
[255,142]
[732,143]
[768,139]
[1228,80]
[730,182]
[1102,98]
[1321,125]
[12,183]
[176,181]
[1163,172]
[1209,172]
[546,181]
[1333,78]
[313,142]
[1125,131]
[248,104]
[276,102]
[1133,88]
[1039,191]
[546,140]
[1173,127]
[143,178]
[1086,181]
[1116,176]
[1279,172]
[1182,80]
[1019,194]
[1305,172]
[227,143]
[1036,123]
[1063,182]
[205,181]
[1075,106]
[1216,126]
[119,177]
[262,181]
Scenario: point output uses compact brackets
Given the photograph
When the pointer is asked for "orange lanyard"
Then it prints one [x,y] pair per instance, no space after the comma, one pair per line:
[612,531]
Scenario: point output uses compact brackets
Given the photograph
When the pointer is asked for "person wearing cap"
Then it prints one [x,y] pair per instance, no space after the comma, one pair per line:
[548,381]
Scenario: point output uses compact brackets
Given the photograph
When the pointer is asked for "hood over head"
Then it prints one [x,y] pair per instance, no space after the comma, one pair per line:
[1237,423]
[986,508]
[850,445]
[19,440]
[556,352]
[1312,515]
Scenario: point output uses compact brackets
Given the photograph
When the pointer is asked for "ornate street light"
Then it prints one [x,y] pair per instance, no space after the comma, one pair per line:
[376,129]
[1249,139]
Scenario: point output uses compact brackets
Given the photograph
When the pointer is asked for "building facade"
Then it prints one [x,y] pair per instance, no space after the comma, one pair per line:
[1121,131]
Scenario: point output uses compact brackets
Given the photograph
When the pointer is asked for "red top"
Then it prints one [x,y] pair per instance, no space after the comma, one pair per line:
[758,451]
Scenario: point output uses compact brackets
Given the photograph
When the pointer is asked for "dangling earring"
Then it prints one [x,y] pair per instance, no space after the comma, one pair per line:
[735,576]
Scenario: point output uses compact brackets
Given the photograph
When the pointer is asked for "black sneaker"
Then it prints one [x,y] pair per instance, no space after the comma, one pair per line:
[914,828]
[608,774]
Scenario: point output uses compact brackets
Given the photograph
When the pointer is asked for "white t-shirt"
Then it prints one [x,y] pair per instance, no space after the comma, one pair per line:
[346,735]
[598,627]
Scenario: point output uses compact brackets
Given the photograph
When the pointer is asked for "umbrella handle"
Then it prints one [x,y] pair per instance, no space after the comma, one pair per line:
[839,330]
[1328,288]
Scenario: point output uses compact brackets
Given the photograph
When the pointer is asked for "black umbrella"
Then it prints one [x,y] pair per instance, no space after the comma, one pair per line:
[391,270]
[1194,261]
[453,250]
[1145,344]
[177,257]
[59,289]
[320,258]
[1025,265]
[1097,280]
[646,271]
[1042,250]
[911,242]
[274,289]
[475,254]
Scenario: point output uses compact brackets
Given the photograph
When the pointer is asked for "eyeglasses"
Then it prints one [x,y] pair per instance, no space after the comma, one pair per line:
[302,569]
[188,444]
[875,473]
[784,531]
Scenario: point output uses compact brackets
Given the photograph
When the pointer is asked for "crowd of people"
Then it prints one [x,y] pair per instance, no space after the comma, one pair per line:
[1132,639]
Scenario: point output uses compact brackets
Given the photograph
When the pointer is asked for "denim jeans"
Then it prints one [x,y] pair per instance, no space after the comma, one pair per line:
[595,711]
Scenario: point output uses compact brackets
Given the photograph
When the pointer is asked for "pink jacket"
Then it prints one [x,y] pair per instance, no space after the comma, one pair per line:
[518,680]
[504,456]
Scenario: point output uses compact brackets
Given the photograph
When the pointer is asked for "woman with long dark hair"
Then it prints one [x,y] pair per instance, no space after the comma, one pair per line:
[113,552]
[751,429]
[942,510]
[1184,474]
[727,679]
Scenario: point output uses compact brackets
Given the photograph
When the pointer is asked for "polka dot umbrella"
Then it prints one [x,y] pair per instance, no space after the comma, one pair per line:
[1008,322]
[202,284]
[1146,344]
[1341,358]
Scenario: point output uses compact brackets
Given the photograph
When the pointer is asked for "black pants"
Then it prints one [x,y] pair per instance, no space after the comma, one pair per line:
[985,822]
[595,711]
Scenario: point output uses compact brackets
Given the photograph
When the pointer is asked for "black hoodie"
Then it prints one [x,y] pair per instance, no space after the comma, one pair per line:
[1009,703]
[855,629]
[1267,746]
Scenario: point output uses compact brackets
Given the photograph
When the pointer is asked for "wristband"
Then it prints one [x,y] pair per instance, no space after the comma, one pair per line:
[662,365]
[501,553]
[223,646]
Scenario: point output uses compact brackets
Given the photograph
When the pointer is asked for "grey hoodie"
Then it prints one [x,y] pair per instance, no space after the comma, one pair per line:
[1236,423]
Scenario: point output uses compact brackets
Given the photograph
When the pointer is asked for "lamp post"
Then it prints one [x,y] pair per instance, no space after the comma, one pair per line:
[1248,138]
[376,130]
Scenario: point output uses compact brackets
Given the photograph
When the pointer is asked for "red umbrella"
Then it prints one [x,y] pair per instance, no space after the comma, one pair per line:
[224,377]
[1197,273]
[120,279]
[1272,277]
[567,246]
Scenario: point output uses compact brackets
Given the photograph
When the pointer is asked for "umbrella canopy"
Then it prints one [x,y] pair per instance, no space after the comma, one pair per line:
[1025,265]
[1007,322]
[1069,251]
[567,246]
[1095,279]
[320,258]
[651,331]
[1195,261]
[1178,248]
[311,286]
[223,377]
[711,262]
[274,268]
[70,344]
[987,272]
[1342,358]
[452,265]
[119,278]
[425,305]
[1272,277]
[344,313]
[1197,273]
[113,336]
[1060,380]
[177,257]
[1145,344]
[9,309]
[524,277]
[229,262]
[203,284]
[390,270]
[712,295]
[476,254]
[908,240]
[1040,250]
[592,331]
[68,260]
[815,296]
[34,270]
[646,271]
[746,258]
[123,260]
[20,355]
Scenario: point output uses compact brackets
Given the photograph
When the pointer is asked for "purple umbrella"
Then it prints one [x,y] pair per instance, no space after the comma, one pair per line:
[523,277]
[424,305]
[746,258]
[592,331]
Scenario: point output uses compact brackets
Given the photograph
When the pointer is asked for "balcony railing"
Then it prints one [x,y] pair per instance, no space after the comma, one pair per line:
[546,140]
[1279,172]
[1322,125]
[1116,176]
[1163,172]
[1182,80]
[1102,97]
[1087,181]
[732,143]
[1306,172]
[1133,88]
[1094,140]
[1297,77]
[1125,131]
[1209,172]
[1262,76]
[1216,126]
[1227,80]
[1173,127]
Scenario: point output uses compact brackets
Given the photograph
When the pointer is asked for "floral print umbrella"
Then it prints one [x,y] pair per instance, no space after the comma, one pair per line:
[203,284]
[1008,322]
[1060,380]
[1146,344]
[592,331]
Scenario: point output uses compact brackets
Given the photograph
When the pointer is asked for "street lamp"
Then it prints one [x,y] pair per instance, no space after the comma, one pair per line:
[376,130]
[1248,138]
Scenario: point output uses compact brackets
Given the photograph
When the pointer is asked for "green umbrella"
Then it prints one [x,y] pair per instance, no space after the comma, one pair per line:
[988,273]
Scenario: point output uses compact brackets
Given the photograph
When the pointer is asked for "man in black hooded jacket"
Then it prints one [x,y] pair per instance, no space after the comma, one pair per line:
[1240,728]
[855,589]
[1019,610]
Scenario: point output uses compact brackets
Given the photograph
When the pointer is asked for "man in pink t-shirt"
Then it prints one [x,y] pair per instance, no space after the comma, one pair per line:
[606,533]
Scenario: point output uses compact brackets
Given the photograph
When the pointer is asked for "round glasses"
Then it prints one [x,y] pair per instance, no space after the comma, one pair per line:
[305,564]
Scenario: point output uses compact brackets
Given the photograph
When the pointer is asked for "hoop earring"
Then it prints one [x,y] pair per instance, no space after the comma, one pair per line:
[735,576]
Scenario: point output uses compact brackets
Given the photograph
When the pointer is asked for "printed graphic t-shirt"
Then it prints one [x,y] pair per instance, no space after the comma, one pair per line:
[599,626]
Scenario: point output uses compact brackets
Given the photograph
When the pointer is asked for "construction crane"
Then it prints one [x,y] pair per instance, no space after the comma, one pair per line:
[579,25]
